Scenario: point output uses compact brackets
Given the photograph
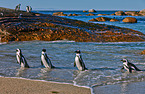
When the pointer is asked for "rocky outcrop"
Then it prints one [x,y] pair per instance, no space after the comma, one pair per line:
[130,20]
[92,10]
[51,28]
[119,13]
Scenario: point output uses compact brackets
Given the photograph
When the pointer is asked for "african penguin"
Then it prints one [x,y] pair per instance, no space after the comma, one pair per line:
[129,66]
[21,59]
[79,61]
[45,61]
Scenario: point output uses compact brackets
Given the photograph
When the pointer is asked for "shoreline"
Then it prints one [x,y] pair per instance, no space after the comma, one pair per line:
[13,85]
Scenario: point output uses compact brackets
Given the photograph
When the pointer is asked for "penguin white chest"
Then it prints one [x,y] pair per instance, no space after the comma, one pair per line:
[78,63]
[44,61]
[126,66]
[18,58]
[22,64]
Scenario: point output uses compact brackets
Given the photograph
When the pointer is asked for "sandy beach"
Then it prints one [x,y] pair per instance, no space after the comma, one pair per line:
[24,86]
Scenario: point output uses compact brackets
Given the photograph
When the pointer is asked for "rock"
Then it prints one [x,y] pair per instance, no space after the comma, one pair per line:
[103,19]
[84,11]
[101,14]
[119,13]
[75,14]
[37,14]
[142,12]
[59,14]
[93,19]
[112,14]
[90,14]
[130,20]
[92,10]
[143,52]
[113,20]
[70,15]
[132,13]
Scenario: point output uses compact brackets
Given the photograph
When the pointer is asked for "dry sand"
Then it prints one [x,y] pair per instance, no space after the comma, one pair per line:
[24,86]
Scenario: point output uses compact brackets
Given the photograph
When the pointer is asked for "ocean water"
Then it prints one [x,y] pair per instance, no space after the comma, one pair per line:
[140,25]
[101,59]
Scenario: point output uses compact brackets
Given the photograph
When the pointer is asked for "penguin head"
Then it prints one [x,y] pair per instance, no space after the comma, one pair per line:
[78,51]
[18,50]
[43,50]
[124,60]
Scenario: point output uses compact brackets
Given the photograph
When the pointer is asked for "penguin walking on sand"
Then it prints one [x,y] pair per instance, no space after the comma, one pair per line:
[45,61]
[79,61]
[129,66]
[21,59]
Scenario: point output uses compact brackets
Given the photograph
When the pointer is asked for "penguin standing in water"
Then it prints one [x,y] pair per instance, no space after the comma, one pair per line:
[79,61]
[21,59]
[129,66]
[45,61]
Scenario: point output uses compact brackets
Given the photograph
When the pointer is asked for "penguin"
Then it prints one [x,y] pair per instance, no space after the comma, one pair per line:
[79,61]
[45,61]
[21,59]
[129,66]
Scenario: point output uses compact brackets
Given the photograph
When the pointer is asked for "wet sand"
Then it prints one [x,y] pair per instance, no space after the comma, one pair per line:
[125,88]
[24,86]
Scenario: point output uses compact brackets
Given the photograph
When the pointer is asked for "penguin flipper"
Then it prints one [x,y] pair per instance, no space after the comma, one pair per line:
[74,63]
[82,63]
[122,68]
[25,63]
[41,63]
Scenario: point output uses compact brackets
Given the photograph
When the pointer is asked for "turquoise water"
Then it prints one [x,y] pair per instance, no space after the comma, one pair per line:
[101,59]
